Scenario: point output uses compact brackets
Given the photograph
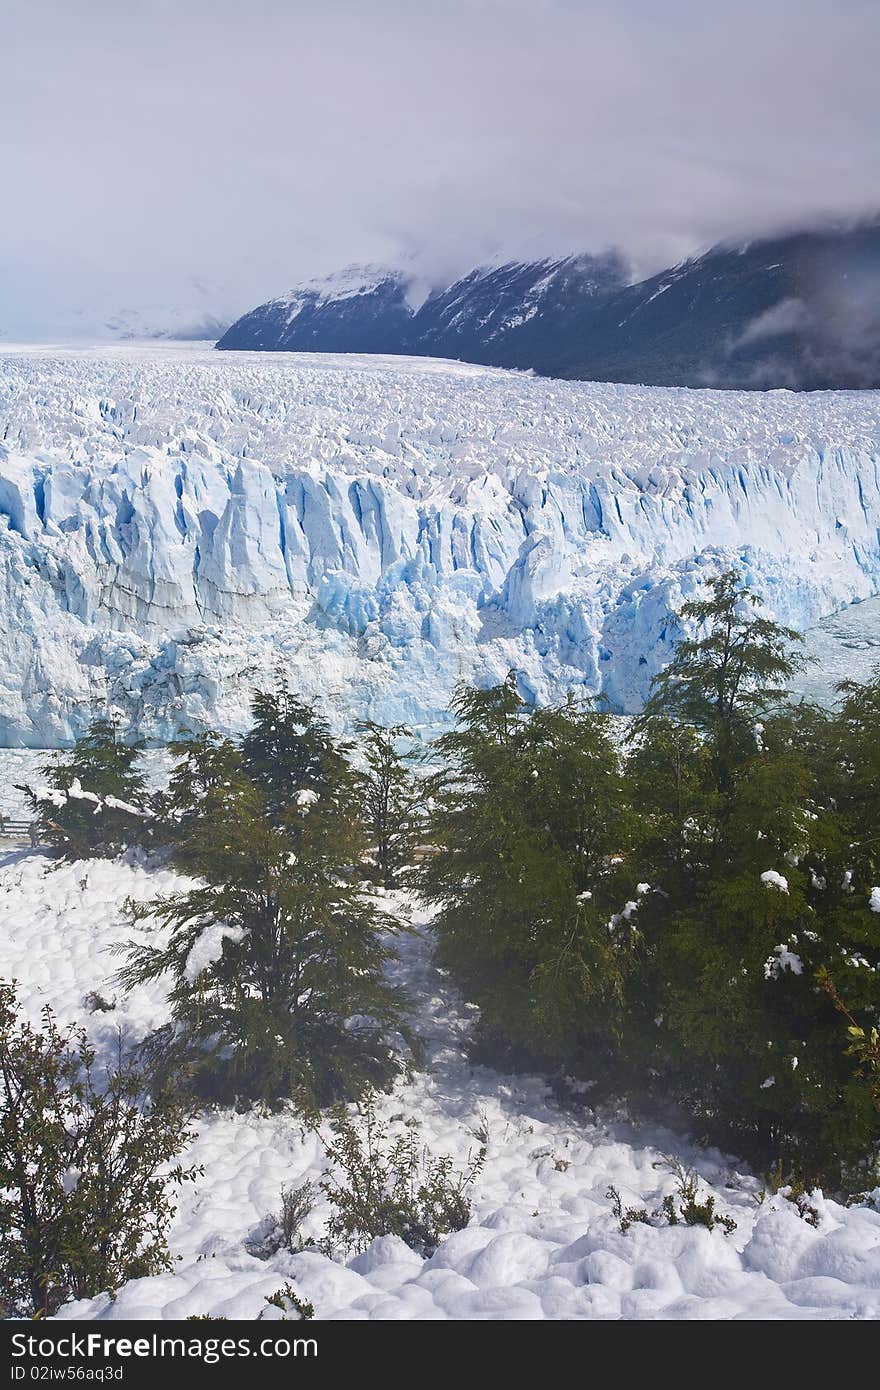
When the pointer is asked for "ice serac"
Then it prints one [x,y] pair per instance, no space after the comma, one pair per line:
[178,526]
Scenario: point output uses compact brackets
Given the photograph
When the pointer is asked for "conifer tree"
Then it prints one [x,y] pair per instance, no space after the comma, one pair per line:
[390,799]
[207,769]
[725,680]
[94,798]
[737,940]
[289,749]
[669,775]
[530,822]
[844,868]
[276,956]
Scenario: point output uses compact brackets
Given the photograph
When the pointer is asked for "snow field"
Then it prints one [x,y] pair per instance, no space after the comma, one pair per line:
[542,1242]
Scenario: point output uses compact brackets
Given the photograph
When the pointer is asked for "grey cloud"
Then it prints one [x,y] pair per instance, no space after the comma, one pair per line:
[788,316]
[147,145]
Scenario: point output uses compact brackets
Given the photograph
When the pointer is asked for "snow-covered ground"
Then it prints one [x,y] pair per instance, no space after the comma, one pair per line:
[176,525]
[542,1241]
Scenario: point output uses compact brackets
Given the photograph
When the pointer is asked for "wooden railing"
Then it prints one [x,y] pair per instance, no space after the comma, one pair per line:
[13,828]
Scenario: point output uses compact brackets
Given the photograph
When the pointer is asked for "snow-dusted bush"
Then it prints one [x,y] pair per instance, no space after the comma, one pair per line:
[85,1200]
[91,803]
[683,1207]
[381,1184]
[285,1305]
[283,1229]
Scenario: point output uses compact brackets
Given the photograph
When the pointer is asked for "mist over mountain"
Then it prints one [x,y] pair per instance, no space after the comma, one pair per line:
[800,311]
[196,310]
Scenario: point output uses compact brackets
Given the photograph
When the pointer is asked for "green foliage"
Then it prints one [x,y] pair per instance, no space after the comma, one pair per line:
[289,750]
[626,1216]
[668,779]
[386,1184]
[276,955]
[536,916]
[864,1043]
[283,1230]
[85,818]
[285,1305]
[681,1208]
[725,680]
[747,1044]
[845,751]
[793,1190]
[207,771]
[690,1211]
[82,1204]
[390,800]
[668,927]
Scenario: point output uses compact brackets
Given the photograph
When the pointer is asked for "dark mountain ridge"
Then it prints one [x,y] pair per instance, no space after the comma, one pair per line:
[800,311]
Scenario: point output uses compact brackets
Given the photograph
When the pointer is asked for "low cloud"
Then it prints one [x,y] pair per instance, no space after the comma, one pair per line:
[835,333]
[788,316]
[147,146]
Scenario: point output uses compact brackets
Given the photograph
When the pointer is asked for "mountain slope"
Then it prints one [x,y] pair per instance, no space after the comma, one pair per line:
[800,311]
[489,313]
[363,309]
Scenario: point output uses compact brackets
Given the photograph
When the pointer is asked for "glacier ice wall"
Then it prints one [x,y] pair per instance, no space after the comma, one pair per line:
[177,525]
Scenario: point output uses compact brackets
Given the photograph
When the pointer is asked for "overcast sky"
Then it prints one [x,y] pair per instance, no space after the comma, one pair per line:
[246,144]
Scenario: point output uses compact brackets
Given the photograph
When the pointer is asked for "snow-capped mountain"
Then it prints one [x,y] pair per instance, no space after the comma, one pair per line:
[373,309]
[361,309]
[800,311]
[178,525]
[482,316]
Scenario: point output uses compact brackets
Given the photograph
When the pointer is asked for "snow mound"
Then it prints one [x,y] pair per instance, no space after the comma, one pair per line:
[774,880]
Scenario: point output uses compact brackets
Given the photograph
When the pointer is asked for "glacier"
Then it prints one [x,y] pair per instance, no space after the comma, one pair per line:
[178,526]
